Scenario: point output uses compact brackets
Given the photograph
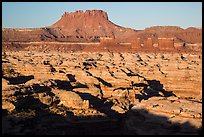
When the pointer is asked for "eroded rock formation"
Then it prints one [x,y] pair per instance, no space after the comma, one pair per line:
[101,93]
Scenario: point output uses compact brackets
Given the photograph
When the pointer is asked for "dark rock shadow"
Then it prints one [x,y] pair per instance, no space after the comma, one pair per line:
[19,79]
[104,82]
[100,105]
[39,88]
[153,88]
[71,77]
[66,85]
[100,79]
[28,102]
[63,84]
[156,85]
[147,123]
[80,85]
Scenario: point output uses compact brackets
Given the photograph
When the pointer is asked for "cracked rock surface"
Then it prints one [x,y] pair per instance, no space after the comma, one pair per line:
[101,93]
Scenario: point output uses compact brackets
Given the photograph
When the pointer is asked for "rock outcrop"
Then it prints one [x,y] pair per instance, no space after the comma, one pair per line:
[189,35]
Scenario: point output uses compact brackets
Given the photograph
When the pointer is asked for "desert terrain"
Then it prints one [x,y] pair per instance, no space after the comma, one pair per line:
[103,81]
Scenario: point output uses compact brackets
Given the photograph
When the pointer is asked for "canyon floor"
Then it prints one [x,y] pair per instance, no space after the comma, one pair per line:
[101,93]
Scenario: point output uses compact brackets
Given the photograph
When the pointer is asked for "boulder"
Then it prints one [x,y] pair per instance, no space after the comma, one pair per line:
[71,99]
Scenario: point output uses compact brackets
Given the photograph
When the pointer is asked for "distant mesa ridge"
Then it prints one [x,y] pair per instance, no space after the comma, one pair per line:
[87,13]
[82,16]
[91,25]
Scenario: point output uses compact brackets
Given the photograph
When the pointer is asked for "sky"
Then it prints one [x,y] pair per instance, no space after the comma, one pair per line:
[136,15]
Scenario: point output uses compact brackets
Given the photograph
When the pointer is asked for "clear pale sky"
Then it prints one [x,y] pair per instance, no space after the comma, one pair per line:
[136,15]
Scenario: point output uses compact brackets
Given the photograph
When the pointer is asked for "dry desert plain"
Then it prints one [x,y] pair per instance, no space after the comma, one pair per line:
[101,93]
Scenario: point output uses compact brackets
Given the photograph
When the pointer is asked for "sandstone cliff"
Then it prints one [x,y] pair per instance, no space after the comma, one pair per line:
[189,35]
[90,24]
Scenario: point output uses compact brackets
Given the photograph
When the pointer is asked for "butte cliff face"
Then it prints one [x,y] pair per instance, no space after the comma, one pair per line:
[91,25]
[79,26]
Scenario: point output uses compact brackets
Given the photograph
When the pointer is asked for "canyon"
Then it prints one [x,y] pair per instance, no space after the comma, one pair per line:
[85,75]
